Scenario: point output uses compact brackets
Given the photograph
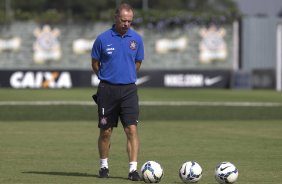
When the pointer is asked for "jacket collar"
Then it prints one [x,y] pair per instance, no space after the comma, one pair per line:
[115,33]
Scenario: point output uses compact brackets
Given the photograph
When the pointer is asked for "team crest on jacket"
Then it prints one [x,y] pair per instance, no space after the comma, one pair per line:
[133,45]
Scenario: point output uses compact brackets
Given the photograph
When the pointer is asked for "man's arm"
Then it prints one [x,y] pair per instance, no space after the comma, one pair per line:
[138,65]
[95,66]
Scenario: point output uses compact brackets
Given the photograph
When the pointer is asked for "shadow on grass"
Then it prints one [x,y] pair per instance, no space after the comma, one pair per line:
[69,174]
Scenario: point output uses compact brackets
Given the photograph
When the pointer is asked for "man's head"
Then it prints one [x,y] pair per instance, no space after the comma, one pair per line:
[123,18]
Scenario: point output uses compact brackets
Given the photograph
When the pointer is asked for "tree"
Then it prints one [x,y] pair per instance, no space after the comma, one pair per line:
[89,10]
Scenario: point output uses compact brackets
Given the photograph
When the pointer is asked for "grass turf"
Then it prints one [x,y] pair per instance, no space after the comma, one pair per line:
[145,94]
[66,152]
[88,113]
[57,144]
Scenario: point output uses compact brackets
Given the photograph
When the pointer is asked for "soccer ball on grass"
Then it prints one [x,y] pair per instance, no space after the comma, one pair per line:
[190,172]
[226,172]
[151,172]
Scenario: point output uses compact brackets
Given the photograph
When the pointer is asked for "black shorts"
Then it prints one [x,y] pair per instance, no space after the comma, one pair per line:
[117,101]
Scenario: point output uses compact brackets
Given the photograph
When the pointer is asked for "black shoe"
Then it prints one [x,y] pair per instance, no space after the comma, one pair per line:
[134,176]
[104,172]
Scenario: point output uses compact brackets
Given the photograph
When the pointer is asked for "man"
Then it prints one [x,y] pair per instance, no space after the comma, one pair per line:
[116,57]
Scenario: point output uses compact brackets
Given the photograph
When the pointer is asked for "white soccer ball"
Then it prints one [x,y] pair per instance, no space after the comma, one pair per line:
[190,172]
[226,172]
[151,172]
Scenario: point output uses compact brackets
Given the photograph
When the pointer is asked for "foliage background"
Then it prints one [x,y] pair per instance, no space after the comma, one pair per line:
[147,11]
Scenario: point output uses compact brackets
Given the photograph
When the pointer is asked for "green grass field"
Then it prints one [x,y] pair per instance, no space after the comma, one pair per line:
[148,112]
[57,144]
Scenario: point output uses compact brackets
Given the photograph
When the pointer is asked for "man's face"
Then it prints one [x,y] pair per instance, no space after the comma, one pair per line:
[123,21]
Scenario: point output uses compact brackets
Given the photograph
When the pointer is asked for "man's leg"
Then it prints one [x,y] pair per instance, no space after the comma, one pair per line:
[132,151]
[104,142]
[132,142]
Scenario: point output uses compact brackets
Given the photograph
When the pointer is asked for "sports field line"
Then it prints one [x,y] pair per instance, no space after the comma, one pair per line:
[145,103]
